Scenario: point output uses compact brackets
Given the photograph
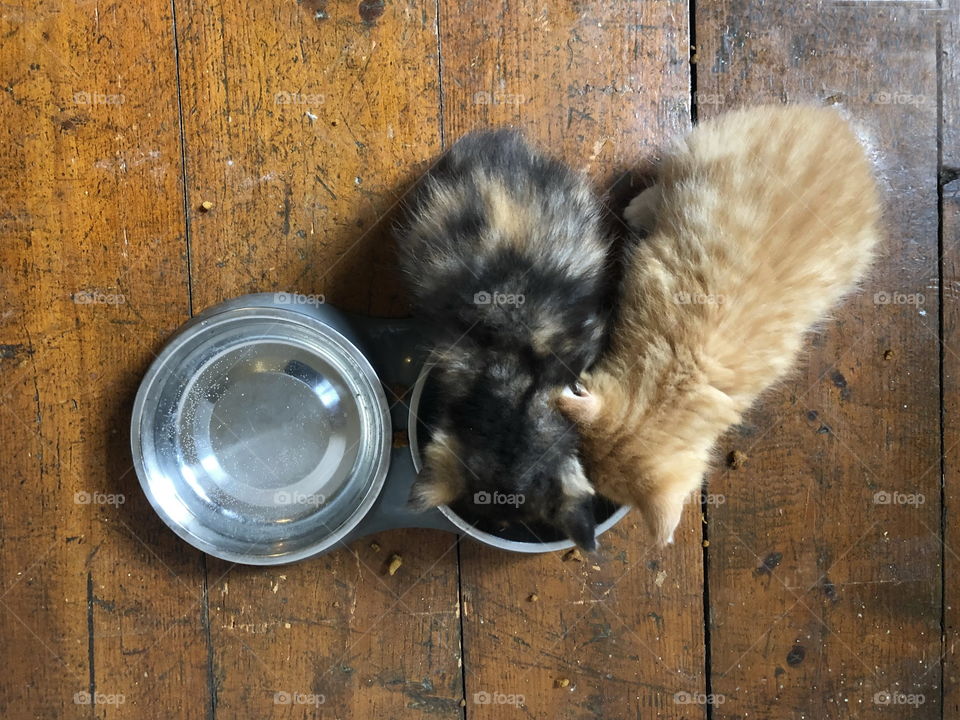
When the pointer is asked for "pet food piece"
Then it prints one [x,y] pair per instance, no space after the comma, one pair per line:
[395,562]
[533,597]
[563,682]
[574,556]
[737,459]
[206,206]
[888,354]
[375,546]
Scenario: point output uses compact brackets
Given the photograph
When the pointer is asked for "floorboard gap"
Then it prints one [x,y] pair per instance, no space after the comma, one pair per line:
[941,334]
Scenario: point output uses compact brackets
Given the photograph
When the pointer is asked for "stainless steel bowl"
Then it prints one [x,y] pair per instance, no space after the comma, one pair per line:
[261,433]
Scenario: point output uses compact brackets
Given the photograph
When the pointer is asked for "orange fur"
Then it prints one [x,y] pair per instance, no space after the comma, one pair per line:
[763,219]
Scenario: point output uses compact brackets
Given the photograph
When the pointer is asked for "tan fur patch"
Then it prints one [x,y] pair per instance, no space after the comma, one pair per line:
[441,481]
[511,219]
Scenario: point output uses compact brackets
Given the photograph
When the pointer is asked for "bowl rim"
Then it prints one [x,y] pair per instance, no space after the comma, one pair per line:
[236,311]
[462,525]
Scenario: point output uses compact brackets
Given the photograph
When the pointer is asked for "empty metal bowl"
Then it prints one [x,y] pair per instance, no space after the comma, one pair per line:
[261,433]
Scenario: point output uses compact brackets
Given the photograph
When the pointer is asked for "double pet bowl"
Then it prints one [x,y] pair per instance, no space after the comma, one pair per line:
[262,433]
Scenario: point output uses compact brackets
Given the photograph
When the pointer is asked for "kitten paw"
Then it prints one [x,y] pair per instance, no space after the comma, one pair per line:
[641,213]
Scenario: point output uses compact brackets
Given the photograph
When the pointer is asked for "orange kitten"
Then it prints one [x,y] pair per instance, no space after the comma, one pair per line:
[761,221]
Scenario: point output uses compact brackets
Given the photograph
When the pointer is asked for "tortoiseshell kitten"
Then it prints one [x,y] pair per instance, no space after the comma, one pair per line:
[761,221]
[504,255]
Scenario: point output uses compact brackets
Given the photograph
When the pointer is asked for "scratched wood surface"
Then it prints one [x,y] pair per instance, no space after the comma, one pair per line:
[304,123]
[951,388]
[620,634]
[949,178]
[100,608]
[824,559]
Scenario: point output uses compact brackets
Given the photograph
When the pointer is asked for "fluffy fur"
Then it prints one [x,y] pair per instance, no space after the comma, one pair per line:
[761,221]
[505,258]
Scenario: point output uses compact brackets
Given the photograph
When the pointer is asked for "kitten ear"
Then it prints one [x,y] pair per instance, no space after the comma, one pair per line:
[576,508]
[579,524]
[440,481]
[579,405]
[666,489]
[662,512]
[641,213]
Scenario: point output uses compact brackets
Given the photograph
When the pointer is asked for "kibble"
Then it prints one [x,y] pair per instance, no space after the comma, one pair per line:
[737,459]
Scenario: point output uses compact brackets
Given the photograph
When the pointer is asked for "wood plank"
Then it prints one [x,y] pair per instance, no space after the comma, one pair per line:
[951,400]
[98,599]
[825,587]
[305,124]
[949,39]
[601,84]
[949,46]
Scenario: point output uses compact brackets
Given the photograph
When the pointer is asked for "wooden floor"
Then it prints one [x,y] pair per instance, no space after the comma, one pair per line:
[823,579]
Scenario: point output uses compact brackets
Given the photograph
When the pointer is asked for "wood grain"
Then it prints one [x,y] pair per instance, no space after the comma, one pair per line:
[949,177]
[621,634]
[304,126]
[951,399]
[98,599]
[304,123]
[824,580]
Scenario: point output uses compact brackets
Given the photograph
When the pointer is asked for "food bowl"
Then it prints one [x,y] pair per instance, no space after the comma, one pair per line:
[523,538]
[262,433]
